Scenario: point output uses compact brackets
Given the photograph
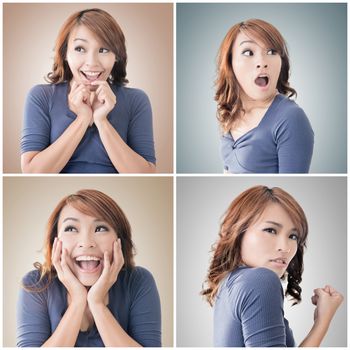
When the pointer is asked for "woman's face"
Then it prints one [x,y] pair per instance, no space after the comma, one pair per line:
[86,238]
[271,242]
[256,67]
[87,57]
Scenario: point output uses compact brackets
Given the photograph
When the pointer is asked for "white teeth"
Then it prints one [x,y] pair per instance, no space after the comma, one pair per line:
[87,258]
[93,74]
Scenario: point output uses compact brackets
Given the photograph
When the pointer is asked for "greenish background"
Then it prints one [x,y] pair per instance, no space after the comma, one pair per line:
[316,36]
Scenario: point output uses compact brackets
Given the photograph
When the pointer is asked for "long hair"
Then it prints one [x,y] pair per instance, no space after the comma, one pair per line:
[106,29]
[228,90]
[92,203]
[241,214]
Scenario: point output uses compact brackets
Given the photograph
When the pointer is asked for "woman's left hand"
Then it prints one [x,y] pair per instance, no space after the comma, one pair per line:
[104,101]
[99,291]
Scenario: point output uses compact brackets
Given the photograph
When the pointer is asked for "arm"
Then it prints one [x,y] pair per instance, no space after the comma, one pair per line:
[260,307]
[39,156]
[295,142]
[67,331]
[327,301]
[124,157]
[144,318]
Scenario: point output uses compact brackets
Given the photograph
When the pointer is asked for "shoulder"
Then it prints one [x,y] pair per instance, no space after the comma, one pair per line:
[44,93]
[256,276]
[248,280]
[31,278]
[132,96]
[289,111]
[139,275]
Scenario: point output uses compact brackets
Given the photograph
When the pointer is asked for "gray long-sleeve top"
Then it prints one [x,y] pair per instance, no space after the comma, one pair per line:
[133,301]
[248,311]
[282,142]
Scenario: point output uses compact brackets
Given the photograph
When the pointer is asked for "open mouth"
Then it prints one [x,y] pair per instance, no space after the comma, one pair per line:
[91,76]
[262,80]
[279,261]
[88,263]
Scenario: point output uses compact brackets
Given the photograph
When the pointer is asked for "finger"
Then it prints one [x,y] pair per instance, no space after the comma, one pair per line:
[57,251]
[53,249]
[106,265]
[100,83]
[314,300]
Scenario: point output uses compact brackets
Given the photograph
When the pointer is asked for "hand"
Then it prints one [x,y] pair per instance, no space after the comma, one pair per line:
[104,101]
[99,291]
[79,101]
[327,300]
[76,291]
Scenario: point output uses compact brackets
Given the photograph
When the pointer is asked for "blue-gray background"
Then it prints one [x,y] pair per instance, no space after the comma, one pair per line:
[316,36]
[201,202]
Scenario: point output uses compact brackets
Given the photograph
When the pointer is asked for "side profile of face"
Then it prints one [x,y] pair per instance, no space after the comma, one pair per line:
[86,238]
[256,68]
[271,242]
[87,57]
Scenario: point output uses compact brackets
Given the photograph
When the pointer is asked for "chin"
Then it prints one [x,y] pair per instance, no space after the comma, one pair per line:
[87,281]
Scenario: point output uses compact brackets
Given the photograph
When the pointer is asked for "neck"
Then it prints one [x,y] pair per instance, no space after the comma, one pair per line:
[250,104]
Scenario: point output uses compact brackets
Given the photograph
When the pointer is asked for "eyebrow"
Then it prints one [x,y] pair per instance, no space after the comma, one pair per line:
[279,225]
[248,41]
[274,223]
[75,219]
[80,39]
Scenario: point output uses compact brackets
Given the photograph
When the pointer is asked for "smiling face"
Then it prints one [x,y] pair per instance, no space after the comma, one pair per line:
[256,67]
[87,57]
[86,238]
[271,242]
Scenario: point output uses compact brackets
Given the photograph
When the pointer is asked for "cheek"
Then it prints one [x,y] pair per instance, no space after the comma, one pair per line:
[106,244]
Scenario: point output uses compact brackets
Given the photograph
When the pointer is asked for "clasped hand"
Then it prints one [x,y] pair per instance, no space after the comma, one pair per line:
[78,293]
[93,106]
[327,300]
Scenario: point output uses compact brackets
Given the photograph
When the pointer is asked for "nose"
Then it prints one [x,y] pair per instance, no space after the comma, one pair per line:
[87,240]
[92,59]
[283,246]
[261,61]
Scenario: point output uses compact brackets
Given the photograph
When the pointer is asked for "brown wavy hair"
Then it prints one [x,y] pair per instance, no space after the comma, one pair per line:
[228,90]
[92,203]
[106,29]
[241,214]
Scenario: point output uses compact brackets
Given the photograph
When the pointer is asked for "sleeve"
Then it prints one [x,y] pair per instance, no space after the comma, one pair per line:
[295,142]
[36,122]
[261,310]
[33,323]
[140,131]
[145,313]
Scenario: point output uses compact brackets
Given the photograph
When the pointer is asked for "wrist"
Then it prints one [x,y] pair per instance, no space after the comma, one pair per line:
[101,122]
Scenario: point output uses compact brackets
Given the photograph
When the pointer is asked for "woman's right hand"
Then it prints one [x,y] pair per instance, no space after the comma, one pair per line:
[79,101]
[76,291]
[327,300]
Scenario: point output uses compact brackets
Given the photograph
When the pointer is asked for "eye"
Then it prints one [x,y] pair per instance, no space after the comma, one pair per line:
[294,237]
[79,49]
[270,230]
[101,228]
[70,228]
[103,50]
[247,53]
[272,52]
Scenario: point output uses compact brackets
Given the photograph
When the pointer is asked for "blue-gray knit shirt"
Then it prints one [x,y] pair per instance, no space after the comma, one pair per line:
[248,311]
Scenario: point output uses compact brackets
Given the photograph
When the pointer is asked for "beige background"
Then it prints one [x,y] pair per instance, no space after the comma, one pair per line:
[30,31]
[146,201]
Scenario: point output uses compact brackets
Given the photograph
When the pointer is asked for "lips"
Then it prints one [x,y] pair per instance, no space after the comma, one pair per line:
[90,75]
[280,261]
[88,263]
[262,80]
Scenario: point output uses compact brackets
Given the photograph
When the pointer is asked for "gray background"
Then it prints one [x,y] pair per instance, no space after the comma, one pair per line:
[317,42]
[201,202]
